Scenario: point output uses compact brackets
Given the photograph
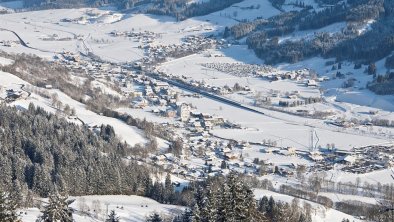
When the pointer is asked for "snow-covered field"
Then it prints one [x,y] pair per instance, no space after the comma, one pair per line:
[245,10]
[5,61]
[95,208]
[320,213]
[11,6]
[32,26]
[293,131]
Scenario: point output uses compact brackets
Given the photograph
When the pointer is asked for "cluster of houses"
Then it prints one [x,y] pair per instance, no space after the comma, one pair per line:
[358,160]
[55,37]
[95,69]
[145,37]
[92,16]
[366,159]
[296,75]
[69,57]
[307,76]
[146,92]
[10,43]
[190,45]
[240,69]
[12,95]
[208,156]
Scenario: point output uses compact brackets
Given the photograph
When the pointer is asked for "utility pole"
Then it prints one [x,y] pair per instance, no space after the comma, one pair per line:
[311,145]
[106,215]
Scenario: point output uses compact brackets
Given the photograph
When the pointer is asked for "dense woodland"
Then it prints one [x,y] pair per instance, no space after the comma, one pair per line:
[263,35]
[181,9]
[42,153]
[231,199]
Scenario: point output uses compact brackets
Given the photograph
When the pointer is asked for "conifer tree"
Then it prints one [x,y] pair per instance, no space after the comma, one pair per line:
[155,217]
[223,211]
[196,214]
[7,208]
[210,205]
[112,217]
[57,209]
[168,189]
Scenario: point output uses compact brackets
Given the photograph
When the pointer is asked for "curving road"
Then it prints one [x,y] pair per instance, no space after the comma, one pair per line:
[23,43]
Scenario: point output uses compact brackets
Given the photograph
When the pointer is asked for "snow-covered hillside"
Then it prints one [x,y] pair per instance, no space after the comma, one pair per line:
[96,208]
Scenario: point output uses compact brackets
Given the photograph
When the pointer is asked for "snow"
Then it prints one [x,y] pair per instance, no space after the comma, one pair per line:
[8,79]
[105,88]
[108,19]
[310,34]
[130,134]
[5,61]
[319,212]
[147,114]
[286,129]
[11,5]
[191,66]
[31,26]
[275,159]
[241,11]
[353,102]
[128,208]
[344,197]
[288,6]
[381,176]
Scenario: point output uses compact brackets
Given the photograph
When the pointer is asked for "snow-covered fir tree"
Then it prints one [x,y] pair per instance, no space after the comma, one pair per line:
[58,209]
[7,208]
[112,217]
[155,217]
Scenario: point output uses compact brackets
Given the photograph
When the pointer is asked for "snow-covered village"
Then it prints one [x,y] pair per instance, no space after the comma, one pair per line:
[196,110]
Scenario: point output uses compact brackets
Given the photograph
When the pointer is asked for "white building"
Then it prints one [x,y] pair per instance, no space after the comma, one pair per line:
[184,112]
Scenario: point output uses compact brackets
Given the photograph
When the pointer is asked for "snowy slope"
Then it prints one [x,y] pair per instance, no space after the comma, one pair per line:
[128,208]
[320,213]
[130,134]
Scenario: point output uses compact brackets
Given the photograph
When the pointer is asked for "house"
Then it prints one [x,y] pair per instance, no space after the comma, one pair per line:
[311,83]
[184,112]
[140,103]
[170,113]
[13,95]
[316,156]
[159,158]
[289,151]
[350,159]
[243,145]
[231,156]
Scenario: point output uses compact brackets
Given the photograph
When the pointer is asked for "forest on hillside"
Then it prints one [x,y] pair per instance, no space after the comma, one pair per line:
[41,153]
[181,9]
[376,43]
